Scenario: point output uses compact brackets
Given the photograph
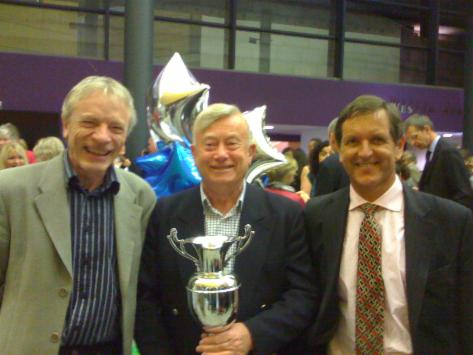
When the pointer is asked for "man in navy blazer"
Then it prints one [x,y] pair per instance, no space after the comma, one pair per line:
[331,176]
[277,295]
[426,251]
[445,173]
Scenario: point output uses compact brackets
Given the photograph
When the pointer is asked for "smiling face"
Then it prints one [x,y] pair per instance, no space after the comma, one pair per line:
[95,132]
[14,159]
[222,153]
[369,153]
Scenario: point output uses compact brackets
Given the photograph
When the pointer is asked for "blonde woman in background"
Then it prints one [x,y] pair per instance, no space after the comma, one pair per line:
[12,155]
[47,148]
[281,178]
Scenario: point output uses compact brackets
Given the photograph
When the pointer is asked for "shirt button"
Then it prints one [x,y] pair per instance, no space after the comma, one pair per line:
[54,337]
[62,292]
[175,311]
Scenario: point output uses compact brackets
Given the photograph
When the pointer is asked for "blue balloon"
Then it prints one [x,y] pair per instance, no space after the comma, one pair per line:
[171,169]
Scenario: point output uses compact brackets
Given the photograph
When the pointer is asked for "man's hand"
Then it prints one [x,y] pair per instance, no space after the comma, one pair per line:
[232,339]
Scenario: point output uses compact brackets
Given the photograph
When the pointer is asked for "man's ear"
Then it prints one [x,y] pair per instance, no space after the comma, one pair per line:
[252,150]
[333,142]
[65,128]
[193,150]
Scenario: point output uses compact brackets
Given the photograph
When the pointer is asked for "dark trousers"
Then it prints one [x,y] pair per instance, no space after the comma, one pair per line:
[111,348]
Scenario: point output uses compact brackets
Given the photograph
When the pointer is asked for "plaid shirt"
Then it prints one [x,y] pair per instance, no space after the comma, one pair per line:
[217,223]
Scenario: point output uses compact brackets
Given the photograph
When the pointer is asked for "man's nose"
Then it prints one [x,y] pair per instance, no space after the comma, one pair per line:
[221,151]
[102,132]
[365,149]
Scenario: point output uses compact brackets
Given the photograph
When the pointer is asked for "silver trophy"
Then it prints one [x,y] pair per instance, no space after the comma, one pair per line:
[212,294]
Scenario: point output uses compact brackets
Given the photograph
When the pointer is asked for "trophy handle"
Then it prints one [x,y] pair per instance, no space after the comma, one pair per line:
[241,243]
[181,249]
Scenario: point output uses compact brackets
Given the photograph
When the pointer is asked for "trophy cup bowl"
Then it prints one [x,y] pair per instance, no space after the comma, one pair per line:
[213,302]
[212,294]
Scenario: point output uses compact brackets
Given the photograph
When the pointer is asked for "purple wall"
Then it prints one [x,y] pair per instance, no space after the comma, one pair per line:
[39,83]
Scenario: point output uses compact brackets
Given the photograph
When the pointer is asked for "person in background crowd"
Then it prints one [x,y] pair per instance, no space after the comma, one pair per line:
[395,266]
[331,175]
[408,169]
[469,165]
[301,159]
[312,144]
[310,172]
[280,179]
[12,155]
[444,174]
[71,233]
[47,148]
[151,147]
[277,300]
[5,135]
[8,133]
[122,162]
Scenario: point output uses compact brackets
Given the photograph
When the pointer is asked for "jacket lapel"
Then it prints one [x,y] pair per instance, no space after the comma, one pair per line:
[418,229]
[53,209]
[334,233]
[256,213]
[127,226]
[189,222]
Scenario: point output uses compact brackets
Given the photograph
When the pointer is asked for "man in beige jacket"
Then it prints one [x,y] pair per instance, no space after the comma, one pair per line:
[71,233]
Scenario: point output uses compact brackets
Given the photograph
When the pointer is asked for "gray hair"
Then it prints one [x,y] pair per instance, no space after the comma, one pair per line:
[107,86]
[418,121]
[213,113]
[47,148]
[10,131]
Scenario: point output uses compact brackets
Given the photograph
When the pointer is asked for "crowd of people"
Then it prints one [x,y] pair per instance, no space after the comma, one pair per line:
[354,250]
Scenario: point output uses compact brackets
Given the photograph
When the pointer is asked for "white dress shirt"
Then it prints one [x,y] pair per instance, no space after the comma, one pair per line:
[390,217]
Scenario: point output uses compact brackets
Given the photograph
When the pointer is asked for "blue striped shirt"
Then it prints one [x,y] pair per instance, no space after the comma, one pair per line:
[94,309]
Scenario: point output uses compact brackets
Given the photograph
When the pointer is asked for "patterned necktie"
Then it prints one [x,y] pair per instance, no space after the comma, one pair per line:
[369,286]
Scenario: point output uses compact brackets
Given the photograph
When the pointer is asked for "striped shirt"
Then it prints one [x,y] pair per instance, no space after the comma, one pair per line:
[94,308]
[217,223]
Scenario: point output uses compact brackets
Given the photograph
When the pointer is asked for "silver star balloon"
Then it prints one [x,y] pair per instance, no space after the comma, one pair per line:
[175,101]
[266,157]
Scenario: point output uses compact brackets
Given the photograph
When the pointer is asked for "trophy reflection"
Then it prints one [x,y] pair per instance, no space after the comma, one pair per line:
[212,294]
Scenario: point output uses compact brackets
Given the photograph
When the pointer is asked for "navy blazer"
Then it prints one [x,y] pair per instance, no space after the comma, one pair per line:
[277,295]
[447,176]
[439,269]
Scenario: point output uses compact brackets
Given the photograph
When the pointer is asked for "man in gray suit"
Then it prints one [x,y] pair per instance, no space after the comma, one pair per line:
[71,233]
[445,173]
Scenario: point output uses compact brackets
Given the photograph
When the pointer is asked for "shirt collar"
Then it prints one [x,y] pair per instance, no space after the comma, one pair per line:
[391,200]
[208,206]
[110,182]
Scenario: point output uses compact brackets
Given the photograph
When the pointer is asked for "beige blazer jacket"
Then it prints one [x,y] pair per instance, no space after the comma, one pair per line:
[36,256]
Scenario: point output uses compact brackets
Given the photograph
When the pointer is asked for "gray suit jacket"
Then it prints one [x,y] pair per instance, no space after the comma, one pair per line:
[36,257]
[439,269]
